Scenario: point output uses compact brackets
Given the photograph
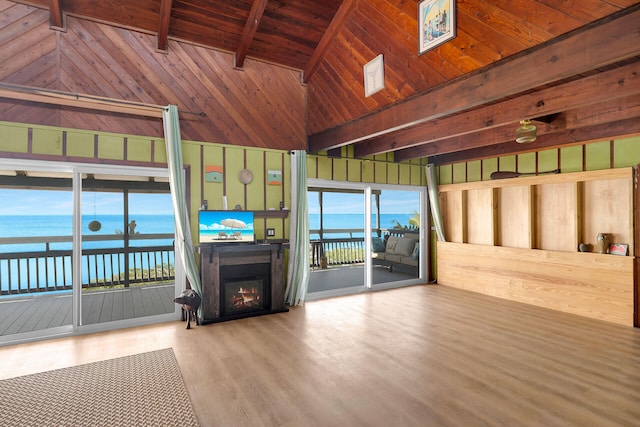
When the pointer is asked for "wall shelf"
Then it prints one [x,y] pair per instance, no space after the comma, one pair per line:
[271,213]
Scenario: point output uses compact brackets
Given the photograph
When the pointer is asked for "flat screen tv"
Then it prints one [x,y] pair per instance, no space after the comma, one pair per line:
[233,227]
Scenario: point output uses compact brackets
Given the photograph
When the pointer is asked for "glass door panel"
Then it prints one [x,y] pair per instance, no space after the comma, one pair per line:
[336,223]
[35,252]
[127,252]
[395,233]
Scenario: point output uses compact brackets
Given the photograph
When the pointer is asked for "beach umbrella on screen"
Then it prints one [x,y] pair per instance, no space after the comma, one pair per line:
[233,223]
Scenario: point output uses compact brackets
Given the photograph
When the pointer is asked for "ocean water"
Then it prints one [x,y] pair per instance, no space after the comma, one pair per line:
[353,222]
[32,275]
[37,226]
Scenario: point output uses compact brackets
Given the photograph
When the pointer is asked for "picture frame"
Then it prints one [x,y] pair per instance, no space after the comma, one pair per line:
[374,75]
[436,23]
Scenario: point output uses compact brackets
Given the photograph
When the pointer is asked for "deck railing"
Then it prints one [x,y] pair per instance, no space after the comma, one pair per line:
[51,269]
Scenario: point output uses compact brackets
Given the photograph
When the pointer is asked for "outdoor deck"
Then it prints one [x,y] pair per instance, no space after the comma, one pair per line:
[33,312]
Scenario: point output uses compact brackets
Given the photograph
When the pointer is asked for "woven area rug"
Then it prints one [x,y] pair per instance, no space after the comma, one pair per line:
[145,389]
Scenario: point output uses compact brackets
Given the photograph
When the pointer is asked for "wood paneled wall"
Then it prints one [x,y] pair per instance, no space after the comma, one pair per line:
[260,106]
[518,239]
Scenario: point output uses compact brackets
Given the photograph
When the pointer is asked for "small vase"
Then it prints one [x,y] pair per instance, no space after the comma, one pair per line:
[603,240]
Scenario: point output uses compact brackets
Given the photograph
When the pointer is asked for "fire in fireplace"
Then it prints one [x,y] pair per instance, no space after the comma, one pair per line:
[245,289]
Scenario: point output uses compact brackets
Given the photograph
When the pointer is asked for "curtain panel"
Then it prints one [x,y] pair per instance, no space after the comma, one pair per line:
[184,242]
[299,269]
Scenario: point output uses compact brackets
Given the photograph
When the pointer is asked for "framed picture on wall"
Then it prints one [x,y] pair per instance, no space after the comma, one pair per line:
[436,23]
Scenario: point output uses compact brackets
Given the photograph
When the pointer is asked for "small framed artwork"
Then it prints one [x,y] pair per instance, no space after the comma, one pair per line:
[213,173]
[618,249]
[436,23]
[374,76]
[274,177]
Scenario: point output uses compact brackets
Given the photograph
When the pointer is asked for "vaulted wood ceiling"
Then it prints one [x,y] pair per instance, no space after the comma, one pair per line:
[572,66]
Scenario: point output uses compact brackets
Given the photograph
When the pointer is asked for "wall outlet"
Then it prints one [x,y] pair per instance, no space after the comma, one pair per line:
[271,232]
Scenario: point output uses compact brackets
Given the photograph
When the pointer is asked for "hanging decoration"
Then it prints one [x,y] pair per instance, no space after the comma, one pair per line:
[94,225]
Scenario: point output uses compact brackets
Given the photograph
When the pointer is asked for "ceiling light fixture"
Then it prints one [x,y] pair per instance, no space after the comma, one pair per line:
[526,132]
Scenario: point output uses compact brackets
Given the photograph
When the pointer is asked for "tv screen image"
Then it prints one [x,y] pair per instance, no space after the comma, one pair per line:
[226,227]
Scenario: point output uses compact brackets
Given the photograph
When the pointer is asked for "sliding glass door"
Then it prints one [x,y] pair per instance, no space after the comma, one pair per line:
[84,248]
[365,236]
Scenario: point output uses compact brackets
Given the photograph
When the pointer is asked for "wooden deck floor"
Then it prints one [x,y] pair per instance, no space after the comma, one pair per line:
[415,356]
[19,314]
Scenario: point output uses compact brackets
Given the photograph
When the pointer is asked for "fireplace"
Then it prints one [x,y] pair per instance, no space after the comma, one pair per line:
[241,281]
[245,289]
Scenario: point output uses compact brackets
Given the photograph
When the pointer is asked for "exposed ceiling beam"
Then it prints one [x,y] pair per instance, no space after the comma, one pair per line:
[334,28]
[163,25]
[605,131]
[249,32]
[608,41]
[598,114]
[56,18]
[615,83]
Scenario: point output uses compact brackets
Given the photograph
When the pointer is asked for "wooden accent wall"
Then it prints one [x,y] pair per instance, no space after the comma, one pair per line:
[260,106]
[586,284]
[518,239]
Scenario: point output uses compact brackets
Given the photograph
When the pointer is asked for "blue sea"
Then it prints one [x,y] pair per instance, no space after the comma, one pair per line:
[353,222]
[39,227]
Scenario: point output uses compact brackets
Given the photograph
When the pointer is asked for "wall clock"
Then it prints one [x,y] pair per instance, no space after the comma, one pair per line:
[245,176]
[374,76]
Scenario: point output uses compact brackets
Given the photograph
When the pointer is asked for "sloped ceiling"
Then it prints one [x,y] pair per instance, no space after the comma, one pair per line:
[448,103]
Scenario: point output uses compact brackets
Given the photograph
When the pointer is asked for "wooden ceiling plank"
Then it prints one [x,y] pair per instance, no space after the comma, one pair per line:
[336,24]
[584,135]
[249,31]
[605,86]
[609,40]
[56,17]
[163,25]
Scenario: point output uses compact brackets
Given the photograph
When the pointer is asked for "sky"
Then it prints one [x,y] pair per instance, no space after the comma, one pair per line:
[391,201]
[43,202]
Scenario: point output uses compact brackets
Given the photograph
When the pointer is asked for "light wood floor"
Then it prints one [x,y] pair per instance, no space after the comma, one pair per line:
[415,356]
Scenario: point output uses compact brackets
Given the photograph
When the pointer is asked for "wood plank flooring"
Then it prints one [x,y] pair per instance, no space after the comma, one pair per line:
[415,356]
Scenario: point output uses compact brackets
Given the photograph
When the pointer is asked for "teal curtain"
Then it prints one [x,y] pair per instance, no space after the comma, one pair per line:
[299,269]
[184,242]
[434,201]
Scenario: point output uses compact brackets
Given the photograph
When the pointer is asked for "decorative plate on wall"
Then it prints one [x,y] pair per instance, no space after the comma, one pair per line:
[245,176]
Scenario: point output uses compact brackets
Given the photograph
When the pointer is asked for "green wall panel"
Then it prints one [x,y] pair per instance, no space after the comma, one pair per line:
[339,170]
[13,138]
[111,147]
[547,160]
[380,172]
[368,168]
[445,174]
[527,163]
[47,141]
[474,171]
[598,155]
[80,144]
[459,172]
[393,173]
[255,191]
[488,167]
[627,152]
[571,159]
[507,163]
[323,170]
[139,149]
[355,174]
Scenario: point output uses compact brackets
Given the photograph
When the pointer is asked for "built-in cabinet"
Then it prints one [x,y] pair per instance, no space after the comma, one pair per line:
[519,239]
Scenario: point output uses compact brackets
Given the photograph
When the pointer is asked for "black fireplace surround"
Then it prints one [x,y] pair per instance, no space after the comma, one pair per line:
[241,280]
